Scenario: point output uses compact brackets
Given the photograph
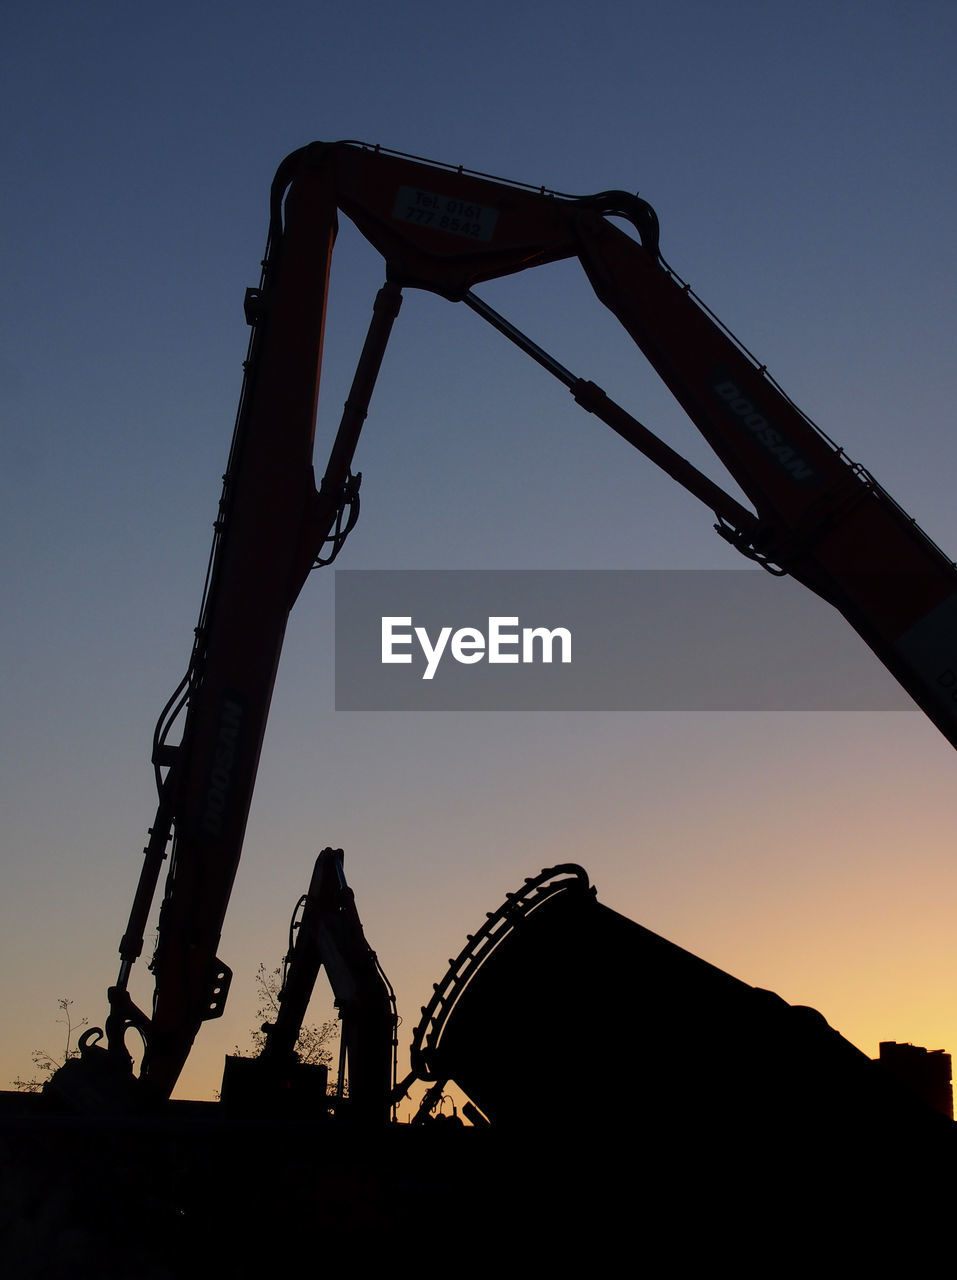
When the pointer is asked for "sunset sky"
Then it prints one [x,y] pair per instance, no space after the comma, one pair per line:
[801,161]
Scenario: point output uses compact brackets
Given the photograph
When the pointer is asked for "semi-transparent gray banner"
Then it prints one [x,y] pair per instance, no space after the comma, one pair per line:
[602,640]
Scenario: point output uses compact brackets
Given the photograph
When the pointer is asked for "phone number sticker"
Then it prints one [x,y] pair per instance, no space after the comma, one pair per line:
[442,213]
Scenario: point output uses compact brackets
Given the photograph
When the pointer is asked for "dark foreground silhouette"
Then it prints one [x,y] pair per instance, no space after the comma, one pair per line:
[646,1109]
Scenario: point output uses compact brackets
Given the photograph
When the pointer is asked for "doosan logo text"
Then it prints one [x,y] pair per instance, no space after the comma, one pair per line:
[222,765]
[750,416]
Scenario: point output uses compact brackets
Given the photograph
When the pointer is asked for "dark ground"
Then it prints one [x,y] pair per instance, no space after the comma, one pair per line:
[193,1192]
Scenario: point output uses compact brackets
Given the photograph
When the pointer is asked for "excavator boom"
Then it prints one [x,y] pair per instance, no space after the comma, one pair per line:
[816,515]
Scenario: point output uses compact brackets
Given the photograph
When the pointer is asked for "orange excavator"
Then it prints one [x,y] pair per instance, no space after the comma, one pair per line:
[816,515]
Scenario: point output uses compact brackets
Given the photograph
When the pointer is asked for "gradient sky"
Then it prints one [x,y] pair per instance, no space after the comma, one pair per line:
[801,160]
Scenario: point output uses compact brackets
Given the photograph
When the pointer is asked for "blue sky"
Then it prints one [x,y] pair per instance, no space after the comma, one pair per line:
[800,159]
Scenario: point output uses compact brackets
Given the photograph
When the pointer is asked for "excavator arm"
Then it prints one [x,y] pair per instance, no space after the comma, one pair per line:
[816,515]
[327,933]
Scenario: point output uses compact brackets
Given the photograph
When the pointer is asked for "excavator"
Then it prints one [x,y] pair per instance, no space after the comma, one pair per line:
[817,516]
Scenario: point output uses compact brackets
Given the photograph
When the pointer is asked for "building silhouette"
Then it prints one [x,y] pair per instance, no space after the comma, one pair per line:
[926,1072]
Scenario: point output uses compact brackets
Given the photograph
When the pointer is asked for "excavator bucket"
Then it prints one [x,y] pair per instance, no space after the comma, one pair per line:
[560,1011]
